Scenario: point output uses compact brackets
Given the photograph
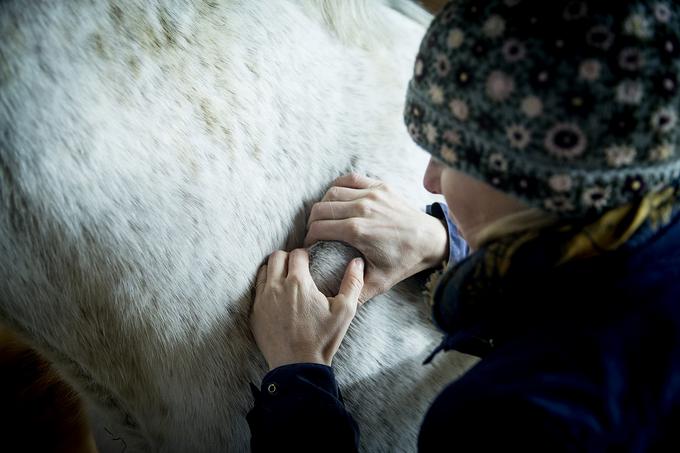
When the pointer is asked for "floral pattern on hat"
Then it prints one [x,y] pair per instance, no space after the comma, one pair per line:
[431,132]
[590,70]
[514,50]
[494,26]
[629,92]
[419,69]
[455,38]
[518,136]
[639,26]
[662,13]
[448,154]
[532,106]
[498,162]
[499,86]
[600,37]
[436,93]
[575,10]
[619,156]
[666,84]
[560,183]
[565,140]
[662,152]
[460,109]
[571,105]
[452,137]
[596,196]
[631,59]
[442,65]
[559,204]
[664,120]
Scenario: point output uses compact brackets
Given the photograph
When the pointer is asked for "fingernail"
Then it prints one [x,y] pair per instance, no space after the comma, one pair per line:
[359,263]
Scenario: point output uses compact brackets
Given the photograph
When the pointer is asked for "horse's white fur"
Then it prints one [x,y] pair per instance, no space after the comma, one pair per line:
[152,154]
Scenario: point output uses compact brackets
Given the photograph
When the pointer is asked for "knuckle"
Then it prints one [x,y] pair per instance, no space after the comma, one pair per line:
[312,230]
[334,193]
[341,177]
[364,208]
[315,210]
[374,195]
[275,289]
[295,279]
[343,309]
[354,228]
[355,178]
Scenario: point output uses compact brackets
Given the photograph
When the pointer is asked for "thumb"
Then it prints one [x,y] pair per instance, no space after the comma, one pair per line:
[353,281]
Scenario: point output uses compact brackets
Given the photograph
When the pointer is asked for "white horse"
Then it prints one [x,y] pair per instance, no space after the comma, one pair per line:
[152,154]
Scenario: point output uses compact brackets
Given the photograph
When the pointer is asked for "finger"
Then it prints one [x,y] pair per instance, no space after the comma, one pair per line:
[337,193]
[298,265]
[277,265]
[334,210]
[261,277]
[332,230]
[356,181]
[353,281]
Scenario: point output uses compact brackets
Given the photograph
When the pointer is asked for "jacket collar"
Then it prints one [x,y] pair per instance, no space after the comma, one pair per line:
[471,297]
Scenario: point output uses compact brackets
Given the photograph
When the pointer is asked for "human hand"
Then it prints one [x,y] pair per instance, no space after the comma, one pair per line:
[292,321]
[396,239]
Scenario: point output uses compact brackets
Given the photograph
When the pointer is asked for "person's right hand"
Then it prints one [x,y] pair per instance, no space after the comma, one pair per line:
[396,239]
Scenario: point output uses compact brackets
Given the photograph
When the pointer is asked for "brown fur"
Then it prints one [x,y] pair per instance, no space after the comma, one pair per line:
[39,412]
[433,6]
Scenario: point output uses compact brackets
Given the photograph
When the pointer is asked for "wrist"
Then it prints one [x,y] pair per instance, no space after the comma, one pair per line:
[298,358]
[436,243]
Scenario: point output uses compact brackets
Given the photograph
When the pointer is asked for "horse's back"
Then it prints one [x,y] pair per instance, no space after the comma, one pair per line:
[152,154]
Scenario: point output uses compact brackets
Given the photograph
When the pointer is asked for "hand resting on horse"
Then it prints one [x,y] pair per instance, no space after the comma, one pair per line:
[396,239]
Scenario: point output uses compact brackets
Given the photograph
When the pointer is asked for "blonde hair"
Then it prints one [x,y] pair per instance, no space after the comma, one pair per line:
[606,232]
[521,221]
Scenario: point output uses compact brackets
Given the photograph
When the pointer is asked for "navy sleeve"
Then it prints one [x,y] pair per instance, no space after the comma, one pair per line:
[501,424]
[458,248]
[525,397]
[299,408]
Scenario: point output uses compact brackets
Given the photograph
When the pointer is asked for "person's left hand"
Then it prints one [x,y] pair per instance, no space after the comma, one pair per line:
[292,321]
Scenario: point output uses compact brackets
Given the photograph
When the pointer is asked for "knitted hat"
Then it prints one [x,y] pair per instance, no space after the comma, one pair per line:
[572,106]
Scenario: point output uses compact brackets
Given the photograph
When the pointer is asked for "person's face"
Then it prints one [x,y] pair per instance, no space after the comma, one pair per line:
[472,203]
[432,178]
[442,180]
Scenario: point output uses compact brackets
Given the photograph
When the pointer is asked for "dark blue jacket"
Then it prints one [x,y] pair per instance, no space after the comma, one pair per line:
[584,357]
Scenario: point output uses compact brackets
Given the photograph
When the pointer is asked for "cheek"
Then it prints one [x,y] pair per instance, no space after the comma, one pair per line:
[450,186]
[462,197]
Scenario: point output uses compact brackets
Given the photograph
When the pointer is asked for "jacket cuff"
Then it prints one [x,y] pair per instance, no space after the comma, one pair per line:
[458,248]
[299,408]
[298,377]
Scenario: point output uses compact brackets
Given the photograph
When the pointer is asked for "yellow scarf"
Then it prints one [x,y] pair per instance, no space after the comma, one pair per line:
[609,232]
